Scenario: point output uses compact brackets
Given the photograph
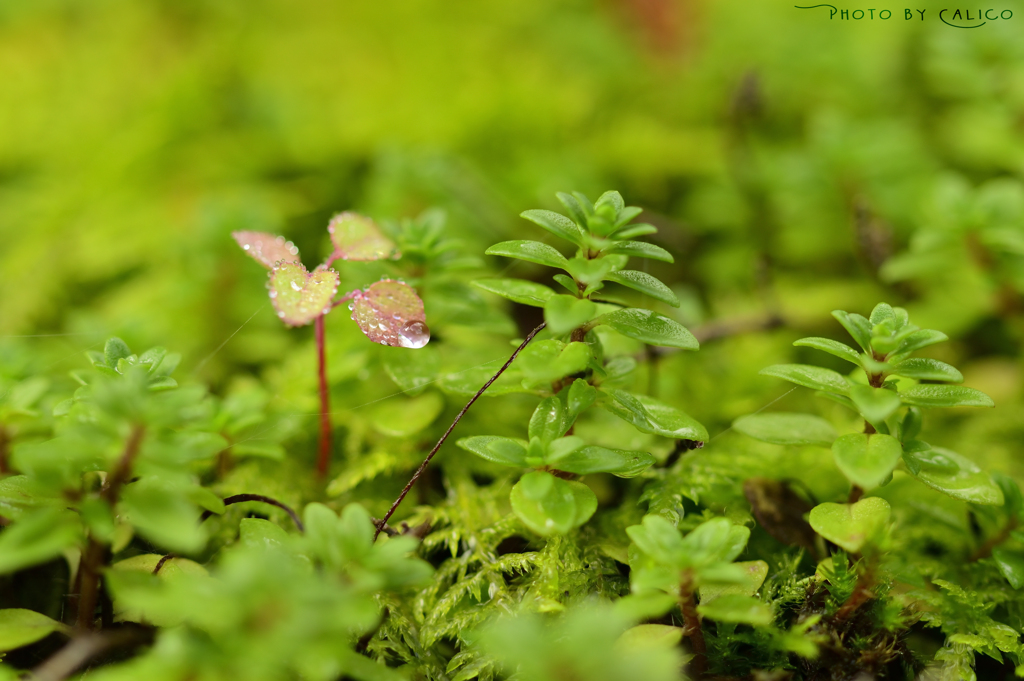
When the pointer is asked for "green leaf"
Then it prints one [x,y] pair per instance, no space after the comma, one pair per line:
[503,450]
[809,377]
[517,290]
[549,506]
[114,350]
[951,473]
[659,539]
[644,637]
[163,515]
[633,231]
[640,249]
[36,537]
[263,534]
[19,628]
[754,572]
[1011,564]
[783,428]
[300,296]
[546,361]
[578,398]
[857,326]
[738,609]
[573,207]
[620,462]
[945,396]
[559,225]
[716,541]
[564,313]
[405,417]
[650,327]
[835,348]
[648,415]
[548,420]
[531,251]
[267,249]
[357,237]
[850,526]
[920,339]
[644,283]
[867,460]
[874,404]
[927,370]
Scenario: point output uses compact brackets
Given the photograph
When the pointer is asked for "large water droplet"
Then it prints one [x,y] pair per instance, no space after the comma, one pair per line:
[414,335]
[295,285]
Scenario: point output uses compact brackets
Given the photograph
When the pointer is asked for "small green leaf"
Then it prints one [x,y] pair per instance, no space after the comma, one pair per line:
[549,506]
[573,207]
[951,473]
[578,398]
[633,231]
[754,573]
[559,225]
[620,462]
[809,377]
[163,515]
[857,326]
[517,290]
[920,339]
[19,628]
[874,404]
[548,420]
[547,361]
[867,460]
[645,637]
[738,609]
[927,370]
[945,396]
[1011,564]
[835,348]
[648,415]
[640,249]
[564,313]
[503,450]
[850,526]
[782,428]
[644,283]
[531,251]
[357,237]
[650,327]
[114,350]
[300,296]
[36,537]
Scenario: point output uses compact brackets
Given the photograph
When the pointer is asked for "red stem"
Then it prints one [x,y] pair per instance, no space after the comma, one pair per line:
[323,461]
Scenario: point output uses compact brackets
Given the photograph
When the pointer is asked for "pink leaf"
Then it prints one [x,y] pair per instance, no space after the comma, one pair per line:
[267,249]
[390,313]
[357,237]
[300,296]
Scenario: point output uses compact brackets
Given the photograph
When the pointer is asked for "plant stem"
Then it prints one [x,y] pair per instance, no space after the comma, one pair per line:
[985,550]
[423,466]
[85,647]
[239,498]
[95,554]
[323,461]
[692,628]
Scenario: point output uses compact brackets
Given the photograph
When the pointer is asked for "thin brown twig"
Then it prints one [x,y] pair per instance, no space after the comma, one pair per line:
[423,466]
[239,498]
[323,461]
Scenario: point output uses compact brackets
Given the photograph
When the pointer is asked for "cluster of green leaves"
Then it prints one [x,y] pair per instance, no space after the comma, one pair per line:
[571,370]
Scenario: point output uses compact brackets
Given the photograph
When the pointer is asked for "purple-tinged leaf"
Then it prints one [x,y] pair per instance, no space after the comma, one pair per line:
[267,249]
[300,296]
[390,313]
[357,237]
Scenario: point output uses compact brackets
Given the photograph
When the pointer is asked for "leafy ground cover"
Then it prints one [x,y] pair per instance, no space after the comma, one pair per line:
[767,427]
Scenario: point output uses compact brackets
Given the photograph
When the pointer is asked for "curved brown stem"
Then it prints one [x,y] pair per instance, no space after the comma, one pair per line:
[423,466]
[692,627]
[239,498]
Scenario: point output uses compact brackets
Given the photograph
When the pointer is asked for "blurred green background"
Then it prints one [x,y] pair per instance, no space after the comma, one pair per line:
[794,165]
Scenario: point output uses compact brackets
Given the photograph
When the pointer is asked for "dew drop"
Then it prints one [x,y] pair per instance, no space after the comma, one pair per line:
[414,335]
[246,247]
[295,285]
[351,306]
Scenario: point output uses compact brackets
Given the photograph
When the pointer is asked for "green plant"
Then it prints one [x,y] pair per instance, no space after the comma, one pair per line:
[389,312]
